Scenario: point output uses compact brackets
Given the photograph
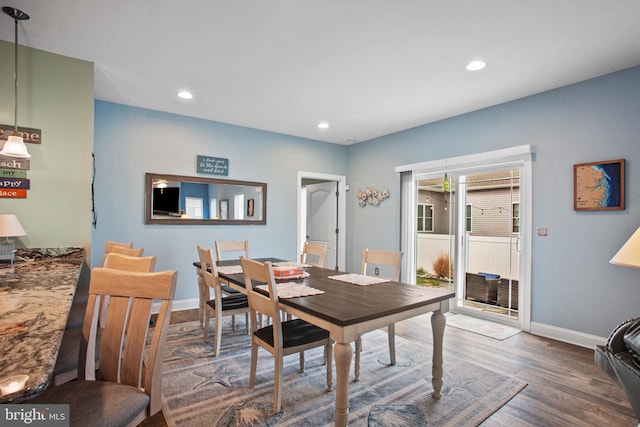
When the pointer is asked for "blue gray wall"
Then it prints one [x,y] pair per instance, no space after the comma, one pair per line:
[573,285]
[129,142]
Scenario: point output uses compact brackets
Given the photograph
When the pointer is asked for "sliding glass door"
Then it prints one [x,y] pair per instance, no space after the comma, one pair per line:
[467,238]
[469,225]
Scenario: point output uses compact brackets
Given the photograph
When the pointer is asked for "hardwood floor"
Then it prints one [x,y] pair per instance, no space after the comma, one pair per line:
[565,387]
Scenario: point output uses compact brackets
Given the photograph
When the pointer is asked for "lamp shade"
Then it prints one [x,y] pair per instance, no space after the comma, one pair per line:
[10,226]
[629,253]
[14,147]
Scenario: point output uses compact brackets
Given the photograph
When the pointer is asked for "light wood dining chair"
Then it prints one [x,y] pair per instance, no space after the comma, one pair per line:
[82,294]
[237,247]
[313,253]
[219,306]
[225,250]
[372,261]
[76,313]
[281,338]
[127,387]
[66,367]
[110,246]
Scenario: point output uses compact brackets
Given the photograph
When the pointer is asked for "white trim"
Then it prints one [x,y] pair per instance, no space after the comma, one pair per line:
[178,305]
[408,203]
[567,335]
[552,332]
[342,209]
[521,152]
[520,157]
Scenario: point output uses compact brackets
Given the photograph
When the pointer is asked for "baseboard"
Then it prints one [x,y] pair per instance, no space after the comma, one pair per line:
[560,334]
[567,335]
[178,305]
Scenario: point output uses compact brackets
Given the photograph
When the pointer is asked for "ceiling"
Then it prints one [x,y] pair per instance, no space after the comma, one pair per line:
[367,67]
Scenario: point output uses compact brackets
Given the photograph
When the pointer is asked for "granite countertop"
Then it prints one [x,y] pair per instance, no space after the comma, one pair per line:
[34,306]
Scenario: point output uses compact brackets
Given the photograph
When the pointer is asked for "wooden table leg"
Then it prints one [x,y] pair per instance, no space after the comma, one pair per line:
[342,354]
[438,321]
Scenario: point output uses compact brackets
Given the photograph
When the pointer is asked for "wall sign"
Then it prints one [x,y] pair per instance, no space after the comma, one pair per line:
[212,165]
[12,194]
[13,177]
[15,183]
[12,173]
[6,163]
[33,136]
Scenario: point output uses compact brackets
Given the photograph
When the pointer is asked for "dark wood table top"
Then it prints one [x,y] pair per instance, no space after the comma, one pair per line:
[345,304]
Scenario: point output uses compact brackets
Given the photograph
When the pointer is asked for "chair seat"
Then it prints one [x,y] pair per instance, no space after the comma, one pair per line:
[231,302]
[95,401]
[229,290]
[294,333]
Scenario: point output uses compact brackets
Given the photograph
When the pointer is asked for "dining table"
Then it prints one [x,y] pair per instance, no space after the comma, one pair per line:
[351,305]
[35,300]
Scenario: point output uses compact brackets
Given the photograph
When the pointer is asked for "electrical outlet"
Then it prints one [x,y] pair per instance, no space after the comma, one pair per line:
[376,271]
[542,231]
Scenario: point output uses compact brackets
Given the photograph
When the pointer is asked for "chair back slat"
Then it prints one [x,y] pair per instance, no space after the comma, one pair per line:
[317,251]
[127,251]
[112,338]
[382,258]
[86,358]
[135,336]
[240,247]
[153,373]
[258,273]
[130,262]
[108,248]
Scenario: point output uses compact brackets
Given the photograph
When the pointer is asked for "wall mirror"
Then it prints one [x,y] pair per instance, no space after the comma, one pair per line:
[177,199]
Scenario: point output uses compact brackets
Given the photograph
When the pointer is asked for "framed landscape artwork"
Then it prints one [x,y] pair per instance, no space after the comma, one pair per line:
[598,185]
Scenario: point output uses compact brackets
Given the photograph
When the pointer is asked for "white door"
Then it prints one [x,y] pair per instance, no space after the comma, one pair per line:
[193,207]
[322,218]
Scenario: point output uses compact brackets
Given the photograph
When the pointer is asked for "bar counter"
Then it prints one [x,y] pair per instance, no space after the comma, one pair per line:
[34,305]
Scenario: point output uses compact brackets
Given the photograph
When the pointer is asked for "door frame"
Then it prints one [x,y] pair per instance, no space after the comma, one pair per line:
[522,156]
[342,217]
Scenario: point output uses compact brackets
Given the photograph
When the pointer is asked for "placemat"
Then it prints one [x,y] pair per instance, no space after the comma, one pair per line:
[359,279]
[230,269]
[292,290]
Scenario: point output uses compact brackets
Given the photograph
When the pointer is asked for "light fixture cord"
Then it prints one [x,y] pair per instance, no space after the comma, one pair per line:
[15,78]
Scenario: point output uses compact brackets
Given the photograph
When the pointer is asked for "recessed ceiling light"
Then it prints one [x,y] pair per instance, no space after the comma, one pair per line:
[476,65]
[323,125]
[185,94]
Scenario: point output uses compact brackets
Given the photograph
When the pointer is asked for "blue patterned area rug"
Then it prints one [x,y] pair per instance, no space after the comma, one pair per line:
[200,390]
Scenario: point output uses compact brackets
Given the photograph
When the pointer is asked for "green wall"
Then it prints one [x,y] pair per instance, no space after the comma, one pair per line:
[56,96]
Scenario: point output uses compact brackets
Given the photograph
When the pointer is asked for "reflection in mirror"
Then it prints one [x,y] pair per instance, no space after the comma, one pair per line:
[177,199]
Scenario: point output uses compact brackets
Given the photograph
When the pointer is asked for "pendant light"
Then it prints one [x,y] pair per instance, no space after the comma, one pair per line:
[14,147]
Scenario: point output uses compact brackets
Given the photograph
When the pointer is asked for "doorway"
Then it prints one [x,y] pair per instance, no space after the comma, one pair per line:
[321,215]
[466,225]
[468,239]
